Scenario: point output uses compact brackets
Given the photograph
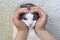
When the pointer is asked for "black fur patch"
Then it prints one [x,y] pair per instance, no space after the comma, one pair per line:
[27,5]
[36,16]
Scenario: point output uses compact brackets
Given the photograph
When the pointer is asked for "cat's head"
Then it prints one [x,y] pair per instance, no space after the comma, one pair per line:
[29,18]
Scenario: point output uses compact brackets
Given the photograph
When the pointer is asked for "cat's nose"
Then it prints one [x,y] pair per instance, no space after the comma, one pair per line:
[30,24]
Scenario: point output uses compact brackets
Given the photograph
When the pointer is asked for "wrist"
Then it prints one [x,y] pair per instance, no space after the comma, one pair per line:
[22,31]
[38,29]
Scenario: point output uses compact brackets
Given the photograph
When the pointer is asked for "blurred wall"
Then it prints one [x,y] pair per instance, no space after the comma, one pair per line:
[8,7]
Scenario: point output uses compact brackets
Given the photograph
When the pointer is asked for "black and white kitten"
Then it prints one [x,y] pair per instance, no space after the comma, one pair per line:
[30,20]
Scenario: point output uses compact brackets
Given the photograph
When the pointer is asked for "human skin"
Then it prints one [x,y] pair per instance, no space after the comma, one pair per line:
[39,27]
[21,27]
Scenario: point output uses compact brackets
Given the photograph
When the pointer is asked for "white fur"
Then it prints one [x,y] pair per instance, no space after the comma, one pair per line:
[30,23]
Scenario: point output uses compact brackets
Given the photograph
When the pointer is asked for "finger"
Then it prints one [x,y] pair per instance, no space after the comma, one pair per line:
[43,15]
[22,10]
[15,19]
[41,12]
[43,21]
[38,9]
[18,12]
[34,9]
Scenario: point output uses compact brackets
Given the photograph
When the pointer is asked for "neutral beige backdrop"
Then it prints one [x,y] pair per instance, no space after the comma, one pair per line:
[8,7]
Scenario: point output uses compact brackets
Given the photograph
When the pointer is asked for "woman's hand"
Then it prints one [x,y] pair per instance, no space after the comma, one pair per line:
[18,23]
[40,25]
[21,27]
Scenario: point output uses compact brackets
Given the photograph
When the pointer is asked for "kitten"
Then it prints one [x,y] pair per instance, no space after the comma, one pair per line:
[30,20]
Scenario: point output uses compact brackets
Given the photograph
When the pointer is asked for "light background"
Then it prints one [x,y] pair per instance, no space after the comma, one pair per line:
[8,7]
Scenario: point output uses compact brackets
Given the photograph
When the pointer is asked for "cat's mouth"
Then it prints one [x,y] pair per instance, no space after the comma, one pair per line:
[30,25]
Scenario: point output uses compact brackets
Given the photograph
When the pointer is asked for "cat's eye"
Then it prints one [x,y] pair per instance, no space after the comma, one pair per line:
[25,18]
[36,16]
[22,16]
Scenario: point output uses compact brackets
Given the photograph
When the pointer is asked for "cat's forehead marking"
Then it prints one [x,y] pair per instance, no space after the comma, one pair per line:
[29,15]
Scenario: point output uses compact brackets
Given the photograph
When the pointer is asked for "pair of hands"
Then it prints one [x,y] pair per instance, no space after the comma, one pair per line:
[40,25]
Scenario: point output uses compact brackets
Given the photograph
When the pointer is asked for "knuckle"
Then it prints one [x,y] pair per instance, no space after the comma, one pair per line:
[46,15]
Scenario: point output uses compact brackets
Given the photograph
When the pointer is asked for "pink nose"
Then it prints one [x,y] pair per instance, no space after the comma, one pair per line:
[30,25]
